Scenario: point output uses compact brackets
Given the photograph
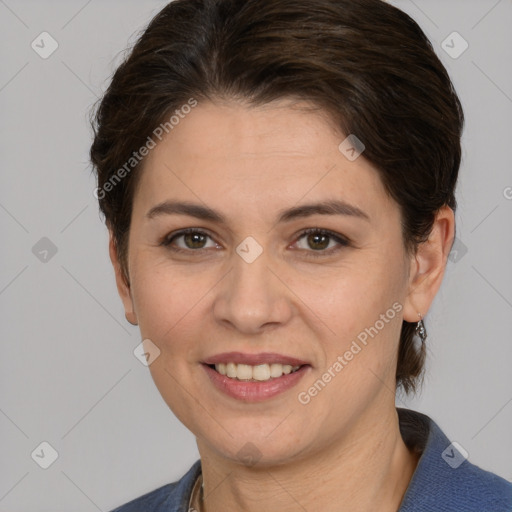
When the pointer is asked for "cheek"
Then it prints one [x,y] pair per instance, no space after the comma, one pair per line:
[364,310]
[169,310]
[348,300]
[165,299]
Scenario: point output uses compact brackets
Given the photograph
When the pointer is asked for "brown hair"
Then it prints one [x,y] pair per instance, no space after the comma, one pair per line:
[364,62]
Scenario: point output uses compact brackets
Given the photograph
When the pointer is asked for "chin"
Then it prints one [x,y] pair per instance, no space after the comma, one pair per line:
[263,445]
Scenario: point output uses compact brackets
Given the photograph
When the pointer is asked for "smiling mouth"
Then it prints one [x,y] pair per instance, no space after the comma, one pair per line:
[256,373]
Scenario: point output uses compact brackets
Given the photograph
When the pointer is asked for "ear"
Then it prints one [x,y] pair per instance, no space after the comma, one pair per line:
[123,286]
[428,266]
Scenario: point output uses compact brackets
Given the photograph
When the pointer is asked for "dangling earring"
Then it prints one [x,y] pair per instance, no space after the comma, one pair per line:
[420,330]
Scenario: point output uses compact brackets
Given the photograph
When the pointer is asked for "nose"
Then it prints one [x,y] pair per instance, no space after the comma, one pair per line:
[253,296]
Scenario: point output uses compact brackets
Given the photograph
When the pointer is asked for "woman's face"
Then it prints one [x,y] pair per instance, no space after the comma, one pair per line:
[254,284]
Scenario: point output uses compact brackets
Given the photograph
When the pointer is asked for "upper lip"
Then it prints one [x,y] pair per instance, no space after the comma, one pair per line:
[254,359]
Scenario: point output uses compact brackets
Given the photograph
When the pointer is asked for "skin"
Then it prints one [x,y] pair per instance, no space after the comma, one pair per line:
[342,450]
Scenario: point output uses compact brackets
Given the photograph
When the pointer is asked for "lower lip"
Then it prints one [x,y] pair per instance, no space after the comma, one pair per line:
[250,391]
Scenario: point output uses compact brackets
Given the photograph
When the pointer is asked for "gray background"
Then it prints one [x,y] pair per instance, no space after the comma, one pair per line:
[68,373]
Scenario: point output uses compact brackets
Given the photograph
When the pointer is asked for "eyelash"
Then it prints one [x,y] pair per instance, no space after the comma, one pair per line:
[342,241]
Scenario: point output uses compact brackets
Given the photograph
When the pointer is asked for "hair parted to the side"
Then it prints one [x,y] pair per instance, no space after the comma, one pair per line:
[367,64]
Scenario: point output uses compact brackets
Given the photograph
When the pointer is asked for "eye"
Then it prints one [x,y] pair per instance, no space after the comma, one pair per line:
[193,239]
[320,240]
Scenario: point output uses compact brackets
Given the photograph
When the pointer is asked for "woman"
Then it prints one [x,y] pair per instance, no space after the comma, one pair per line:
[278,180]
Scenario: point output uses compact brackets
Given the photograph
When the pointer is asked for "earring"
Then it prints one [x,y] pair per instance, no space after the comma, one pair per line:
[420,330]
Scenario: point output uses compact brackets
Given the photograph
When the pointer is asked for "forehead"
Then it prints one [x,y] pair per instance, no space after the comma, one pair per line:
[235,129]
[259,155]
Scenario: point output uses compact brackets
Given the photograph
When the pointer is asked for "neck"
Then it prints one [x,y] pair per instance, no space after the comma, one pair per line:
[369,468]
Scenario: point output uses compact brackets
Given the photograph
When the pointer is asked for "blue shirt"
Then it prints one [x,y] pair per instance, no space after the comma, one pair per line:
[444,481]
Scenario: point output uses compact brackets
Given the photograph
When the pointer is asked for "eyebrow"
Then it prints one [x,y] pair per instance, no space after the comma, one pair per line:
[333,207]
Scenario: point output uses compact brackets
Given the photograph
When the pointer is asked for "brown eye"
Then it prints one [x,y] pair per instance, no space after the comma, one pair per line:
[319,240]
[193,240]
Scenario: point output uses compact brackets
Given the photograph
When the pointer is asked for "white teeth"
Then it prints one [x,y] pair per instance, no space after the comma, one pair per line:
[244,372]
[230,370]
[260,372]
[276,370]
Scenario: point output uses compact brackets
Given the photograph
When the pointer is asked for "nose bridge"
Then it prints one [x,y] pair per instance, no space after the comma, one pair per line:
[252,295]
[251,279]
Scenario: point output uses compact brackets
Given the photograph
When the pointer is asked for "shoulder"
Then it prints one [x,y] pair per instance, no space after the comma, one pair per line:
[172,497]
[445,480]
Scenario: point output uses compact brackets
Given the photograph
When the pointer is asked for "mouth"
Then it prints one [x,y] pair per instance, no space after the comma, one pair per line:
[254,373]
[254,367]
[254,377]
